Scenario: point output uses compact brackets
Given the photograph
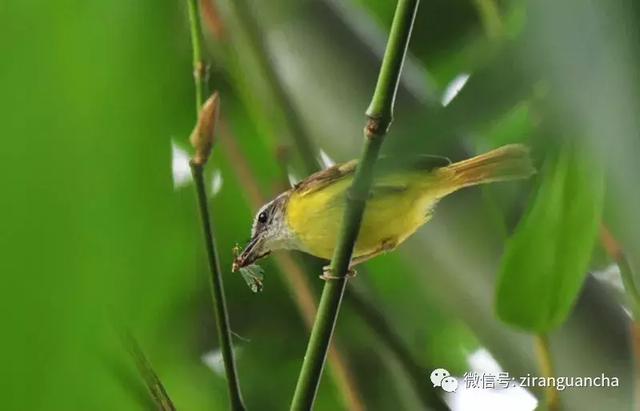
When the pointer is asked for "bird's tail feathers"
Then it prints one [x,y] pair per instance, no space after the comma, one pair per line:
[510,162]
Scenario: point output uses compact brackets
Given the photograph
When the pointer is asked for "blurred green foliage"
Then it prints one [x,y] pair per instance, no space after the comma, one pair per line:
[96,235]
[545,262]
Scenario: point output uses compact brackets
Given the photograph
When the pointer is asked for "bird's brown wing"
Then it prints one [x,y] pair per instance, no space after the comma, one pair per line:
[385,165]
[323,178]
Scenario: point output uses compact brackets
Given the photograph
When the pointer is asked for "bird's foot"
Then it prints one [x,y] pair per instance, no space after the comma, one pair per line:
[327,274]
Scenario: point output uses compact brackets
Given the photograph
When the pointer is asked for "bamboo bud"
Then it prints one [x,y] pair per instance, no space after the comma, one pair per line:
[203,135]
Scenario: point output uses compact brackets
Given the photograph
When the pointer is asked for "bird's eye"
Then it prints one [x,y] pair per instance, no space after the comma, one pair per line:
[262,217]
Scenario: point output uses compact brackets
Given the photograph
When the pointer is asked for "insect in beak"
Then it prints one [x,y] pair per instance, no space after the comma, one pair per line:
[252,252]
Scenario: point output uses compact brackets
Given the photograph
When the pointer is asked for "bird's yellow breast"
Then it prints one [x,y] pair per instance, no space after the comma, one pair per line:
[398,205]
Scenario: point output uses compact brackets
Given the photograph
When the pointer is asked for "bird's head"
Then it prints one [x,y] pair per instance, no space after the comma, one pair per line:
[269,232]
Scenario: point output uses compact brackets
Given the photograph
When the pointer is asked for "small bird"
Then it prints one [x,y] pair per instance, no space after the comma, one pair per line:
[308,216]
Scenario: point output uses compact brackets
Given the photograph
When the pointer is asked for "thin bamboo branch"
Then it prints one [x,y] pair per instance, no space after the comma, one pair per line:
[294,275]
[202,138]
[199,65]
[217,291]
[380,114]
[547,369]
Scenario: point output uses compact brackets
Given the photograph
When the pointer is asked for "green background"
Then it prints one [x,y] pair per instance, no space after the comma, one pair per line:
[96,237]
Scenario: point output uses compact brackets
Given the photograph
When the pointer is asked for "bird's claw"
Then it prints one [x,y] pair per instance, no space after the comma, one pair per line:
[327,274]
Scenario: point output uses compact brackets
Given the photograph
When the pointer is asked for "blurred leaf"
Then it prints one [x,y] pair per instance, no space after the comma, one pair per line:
[546,260]
[156,388]
[512,127]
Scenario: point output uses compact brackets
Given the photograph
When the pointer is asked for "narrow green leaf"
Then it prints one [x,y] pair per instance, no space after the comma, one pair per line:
[546,260]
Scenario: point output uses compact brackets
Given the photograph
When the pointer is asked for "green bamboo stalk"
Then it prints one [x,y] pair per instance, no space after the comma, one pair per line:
[380,115]
[202,138]
[217,292]
[199,65]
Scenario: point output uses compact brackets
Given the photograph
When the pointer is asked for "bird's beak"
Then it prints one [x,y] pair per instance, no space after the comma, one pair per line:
[252,252]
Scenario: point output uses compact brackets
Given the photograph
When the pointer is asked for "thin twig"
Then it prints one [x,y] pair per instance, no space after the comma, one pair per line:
[204,129]
[217,292]
[547,369]
[379,113]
